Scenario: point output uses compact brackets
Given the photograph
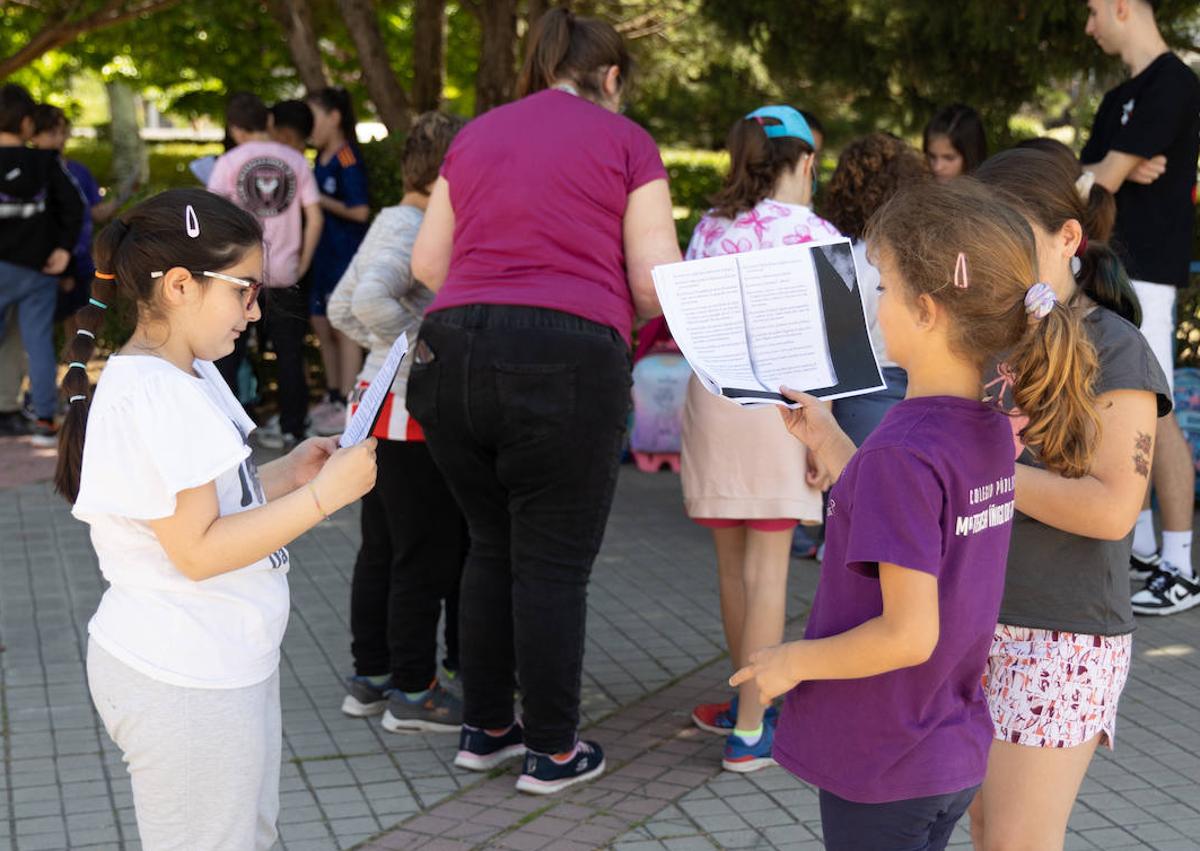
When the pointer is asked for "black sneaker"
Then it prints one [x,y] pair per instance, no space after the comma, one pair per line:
[1167,592]
[545,775]
[479,750]
[438,711]
[1142,568]
[13,424]
[364,698]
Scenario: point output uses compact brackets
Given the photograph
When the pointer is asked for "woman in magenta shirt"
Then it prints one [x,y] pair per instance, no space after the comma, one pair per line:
[539,239]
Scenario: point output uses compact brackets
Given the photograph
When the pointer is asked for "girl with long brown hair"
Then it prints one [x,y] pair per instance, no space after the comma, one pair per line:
[885,712]
[1066,610]
[191,536]
[744,478]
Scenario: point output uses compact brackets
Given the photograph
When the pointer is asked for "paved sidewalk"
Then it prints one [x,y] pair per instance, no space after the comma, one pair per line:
[654,649]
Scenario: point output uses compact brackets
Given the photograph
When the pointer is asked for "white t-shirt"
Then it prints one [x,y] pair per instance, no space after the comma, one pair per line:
[868,280]
[152,432]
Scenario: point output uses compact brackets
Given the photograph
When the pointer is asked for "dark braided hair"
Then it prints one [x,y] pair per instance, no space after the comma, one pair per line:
[149,237]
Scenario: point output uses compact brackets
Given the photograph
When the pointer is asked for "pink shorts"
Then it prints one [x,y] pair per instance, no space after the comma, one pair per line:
[778,524]
[1048,689]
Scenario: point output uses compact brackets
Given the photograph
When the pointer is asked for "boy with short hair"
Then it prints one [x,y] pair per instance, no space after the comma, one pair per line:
[275,183]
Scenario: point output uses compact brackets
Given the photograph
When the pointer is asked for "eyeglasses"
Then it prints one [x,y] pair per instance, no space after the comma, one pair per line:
[252,287]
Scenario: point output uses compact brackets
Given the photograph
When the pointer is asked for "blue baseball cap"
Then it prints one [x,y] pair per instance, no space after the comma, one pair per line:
[791,124]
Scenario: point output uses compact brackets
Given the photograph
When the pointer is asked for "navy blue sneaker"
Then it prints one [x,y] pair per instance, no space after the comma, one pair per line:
[744,758]
[479,750]
[720,718]
[543,774]
[363,698]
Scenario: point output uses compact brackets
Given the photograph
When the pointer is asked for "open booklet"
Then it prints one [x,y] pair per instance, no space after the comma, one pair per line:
[371,405]
[751,323]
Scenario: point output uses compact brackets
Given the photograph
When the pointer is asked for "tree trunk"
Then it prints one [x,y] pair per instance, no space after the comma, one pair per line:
[130,164]
[295,17]
[429,53]
[497,76]
[383,87]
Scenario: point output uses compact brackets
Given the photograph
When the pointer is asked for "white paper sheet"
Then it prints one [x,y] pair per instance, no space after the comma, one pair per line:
[363,422]
[752,322]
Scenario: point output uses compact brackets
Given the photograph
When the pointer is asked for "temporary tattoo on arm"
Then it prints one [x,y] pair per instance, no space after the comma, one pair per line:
[1143,447]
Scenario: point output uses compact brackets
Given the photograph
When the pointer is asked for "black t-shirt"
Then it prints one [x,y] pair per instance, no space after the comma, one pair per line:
[1156,112]
[1057,580]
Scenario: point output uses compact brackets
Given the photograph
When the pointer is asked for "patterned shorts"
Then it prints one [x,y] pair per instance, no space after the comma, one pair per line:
[1050,689]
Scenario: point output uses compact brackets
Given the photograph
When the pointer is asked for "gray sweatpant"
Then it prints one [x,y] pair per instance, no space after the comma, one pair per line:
[204,763]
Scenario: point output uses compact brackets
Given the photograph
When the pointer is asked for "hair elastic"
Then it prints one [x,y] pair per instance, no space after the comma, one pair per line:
[1040,300]
[961,279]
[74,399]
[79,364]
[1081,248]
[105,276]
[98,303]
[85,333]
[1084,184]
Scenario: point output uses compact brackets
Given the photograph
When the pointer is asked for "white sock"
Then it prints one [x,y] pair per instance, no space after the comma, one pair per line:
[1177,550]
[1144,544]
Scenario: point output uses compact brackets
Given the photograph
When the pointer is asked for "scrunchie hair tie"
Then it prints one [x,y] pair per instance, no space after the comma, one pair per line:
[1040,300]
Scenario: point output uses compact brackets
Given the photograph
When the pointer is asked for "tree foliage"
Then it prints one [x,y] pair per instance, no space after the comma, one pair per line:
[892,64]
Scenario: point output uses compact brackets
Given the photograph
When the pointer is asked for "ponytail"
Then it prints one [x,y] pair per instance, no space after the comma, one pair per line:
[755,164]
[1056,368]
[75,384]
[332,98]
[155,235]
[1101,274]
[563,47]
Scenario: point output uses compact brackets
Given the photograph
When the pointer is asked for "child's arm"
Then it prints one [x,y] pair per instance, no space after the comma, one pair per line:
[1105,503]
[202,544]
[296,469]
[814,426]
[905,634]
[357,213]
[314,220]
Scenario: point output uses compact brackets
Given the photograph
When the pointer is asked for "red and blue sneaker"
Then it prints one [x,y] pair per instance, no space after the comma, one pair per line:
[744,758]
[721,718]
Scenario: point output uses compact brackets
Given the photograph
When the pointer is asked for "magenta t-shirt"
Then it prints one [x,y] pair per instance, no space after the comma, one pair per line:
[932,490]
[539,189]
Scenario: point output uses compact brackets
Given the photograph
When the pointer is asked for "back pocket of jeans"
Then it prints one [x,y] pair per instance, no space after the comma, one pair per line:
[536,399]
[421,397]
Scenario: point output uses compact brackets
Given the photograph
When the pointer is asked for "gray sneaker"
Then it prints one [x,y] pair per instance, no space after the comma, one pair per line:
[439,711]
[364,699]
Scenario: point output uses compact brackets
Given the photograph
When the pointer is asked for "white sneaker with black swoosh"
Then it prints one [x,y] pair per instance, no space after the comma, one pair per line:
[1142,568]
[1167,592]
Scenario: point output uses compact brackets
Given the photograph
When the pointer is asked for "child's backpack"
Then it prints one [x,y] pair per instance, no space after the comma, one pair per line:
[659,389]
[1187,411]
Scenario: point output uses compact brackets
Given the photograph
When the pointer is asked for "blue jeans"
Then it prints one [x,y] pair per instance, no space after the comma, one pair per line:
[918,824]
[35,296]
[860,415]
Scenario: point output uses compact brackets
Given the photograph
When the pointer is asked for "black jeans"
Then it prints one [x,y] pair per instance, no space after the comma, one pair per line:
[414,541]
[525,411]
[918,824]
[287,326]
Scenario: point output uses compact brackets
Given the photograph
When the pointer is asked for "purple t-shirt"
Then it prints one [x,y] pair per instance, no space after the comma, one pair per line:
[932,490]
[539,189]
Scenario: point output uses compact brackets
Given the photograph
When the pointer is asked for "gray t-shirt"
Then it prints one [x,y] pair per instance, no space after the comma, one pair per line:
[1057,580]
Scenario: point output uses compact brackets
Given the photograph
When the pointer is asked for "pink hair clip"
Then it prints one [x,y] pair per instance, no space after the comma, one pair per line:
[961,279]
